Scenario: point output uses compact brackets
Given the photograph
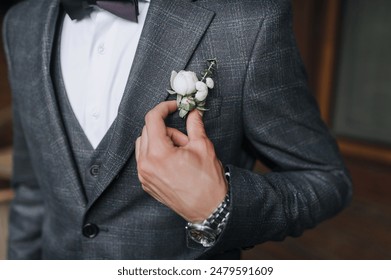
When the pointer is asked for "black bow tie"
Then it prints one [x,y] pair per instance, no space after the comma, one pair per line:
[78,9]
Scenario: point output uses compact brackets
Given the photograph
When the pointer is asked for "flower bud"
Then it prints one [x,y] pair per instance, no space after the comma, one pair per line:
[201,95]
[201,86]
[210,83]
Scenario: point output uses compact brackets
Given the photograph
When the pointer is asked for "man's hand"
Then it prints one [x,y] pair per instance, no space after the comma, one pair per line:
[181,171]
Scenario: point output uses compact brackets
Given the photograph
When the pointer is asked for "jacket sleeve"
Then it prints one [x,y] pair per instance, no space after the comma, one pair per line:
[26,210]
[308,181]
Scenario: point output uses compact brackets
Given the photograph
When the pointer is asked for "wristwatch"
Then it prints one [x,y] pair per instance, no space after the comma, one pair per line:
[207,231]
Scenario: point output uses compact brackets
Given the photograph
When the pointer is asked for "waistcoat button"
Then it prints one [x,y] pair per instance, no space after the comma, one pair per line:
[94,170]
[90,230]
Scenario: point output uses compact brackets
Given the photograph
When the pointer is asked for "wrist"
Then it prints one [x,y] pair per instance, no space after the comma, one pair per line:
[207,231]
[207,201]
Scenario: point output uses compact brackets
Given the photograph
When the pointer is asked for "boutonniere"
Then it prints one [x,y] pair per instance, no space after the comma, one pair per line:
[190,91]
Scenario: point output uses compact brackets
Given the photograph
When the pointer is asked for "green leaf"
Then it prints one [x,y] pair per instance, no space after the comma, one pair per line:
[183,113]
[185,106]
[192,101]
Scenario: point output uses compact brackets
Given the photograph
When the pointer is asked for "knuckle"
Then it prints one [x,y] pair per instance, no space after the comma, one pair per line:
[156,155]
[205,145]
[209,145]
[149,117]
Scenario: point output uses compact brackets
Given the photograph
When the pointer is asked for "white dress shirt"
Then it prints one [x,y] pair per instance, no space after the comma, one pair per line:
[97,53]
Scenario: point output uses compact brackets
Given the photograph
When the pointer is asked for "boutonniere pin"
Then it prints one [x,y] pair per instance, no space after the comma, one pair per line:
[191,93]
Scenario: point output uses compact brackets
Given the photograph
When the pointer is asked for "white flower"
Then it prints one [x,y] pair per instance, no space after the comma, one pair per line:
[202,91]
[201,95]
[183,83]
[190,92]
[210,83]
[201,86]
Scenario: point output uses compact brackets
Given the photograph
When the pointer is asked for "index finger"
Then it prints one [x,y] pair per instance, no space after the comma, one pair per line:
[154,120]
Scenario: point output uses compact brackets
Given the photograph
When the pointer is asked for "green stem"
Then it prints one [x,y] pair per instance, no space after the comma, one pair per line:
[207,71]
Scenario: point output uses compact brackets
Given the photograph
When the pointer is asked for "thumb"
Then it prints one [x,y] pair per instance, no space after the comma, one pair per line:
[195,125]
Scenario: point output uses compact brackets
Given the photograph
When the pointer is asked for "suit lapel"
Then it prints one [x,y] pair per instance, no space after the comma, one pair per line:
[51,116]
[171,33]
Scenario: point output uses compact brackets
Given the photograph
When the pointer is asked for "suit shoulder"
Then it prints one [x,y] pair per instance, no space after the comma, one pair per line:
[265,7]
[249,8]
[24,22]
[28,8]
[26,14]
[23,27]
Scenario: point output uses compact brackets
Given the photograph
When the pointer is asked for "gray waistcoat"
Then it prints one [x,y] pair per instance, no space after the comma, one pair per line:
[87,159]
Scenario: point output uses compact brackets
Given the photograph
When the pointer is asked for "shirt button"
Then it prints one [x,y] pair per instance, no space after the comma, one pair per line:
[95,113]
[94,170]
[101,49]
[90,230]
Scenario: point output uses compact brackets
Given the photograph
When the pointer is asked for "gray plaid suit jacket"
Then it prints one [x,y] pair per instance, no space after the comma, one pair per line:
[260,108]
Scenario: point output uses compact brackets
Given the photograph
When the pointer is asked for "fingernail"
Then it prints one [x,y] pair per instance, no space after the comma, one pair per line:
[201,113]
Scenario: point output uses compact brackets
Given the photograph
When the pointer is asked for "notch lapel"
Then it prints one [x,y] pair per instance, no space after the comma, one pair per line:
[171,33]
[50,117]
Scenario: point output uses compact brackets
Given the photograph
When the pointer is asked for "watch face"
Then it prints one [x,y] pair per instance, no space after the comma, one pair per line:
[204,237]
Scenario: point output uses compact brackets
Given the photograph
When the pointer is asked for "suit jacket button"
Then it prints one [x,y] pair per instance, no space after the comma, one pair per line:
[90,230]
[94,170]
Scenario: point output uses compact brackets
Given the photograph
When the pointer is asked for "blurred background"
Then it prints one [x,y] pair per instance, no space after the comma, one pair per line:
[346,47]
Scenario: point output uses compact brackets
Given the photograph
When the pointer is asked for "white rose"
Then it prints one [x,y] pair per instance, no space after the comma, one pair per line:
[183,83]
[210,83]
